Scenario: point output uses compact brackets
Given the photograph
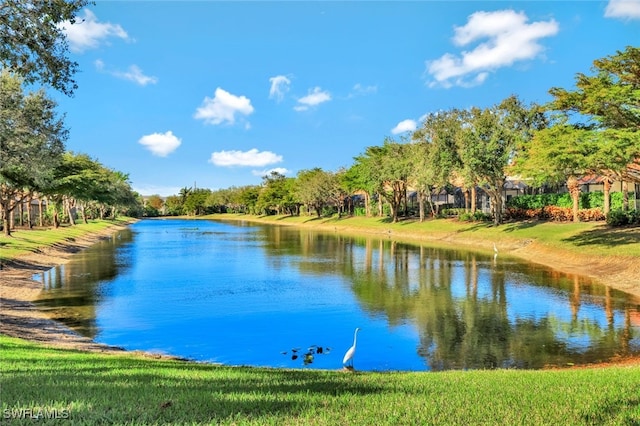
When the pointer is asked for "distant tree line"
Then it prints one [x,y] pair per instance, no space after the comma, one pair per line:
[593,129]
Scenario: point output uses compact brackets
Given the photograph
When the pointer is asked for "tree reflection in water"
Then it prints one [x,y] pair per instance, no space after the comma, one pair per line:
[466,310]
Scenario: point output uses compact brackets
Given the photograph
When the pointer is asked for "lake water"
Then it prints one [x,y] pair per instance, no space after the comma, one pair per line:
[263,295]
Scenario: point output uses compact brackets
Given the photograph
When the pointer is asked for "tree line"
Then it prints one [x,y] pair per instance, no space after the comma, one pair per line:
[34,164]
[592,129]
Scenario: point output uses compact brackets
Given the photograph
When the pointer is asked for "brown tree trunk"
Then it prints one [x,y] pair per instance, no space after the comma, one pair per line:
[466,200]
[473,199]
[40,215]
[21,213]
[29,216]
[606,196]
[69,205]
[83,213]
[56,217]
[625,196]
[6,222]
[574,190]
[367,204]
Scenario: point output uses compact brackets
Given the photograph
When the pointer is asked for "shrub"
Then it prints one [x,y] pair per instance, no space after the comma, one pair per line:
[478,216]
[359,211]
[465,217]
[558,214]
[589,215]
[616,200]
[619,217]
[520,213]
[453,211]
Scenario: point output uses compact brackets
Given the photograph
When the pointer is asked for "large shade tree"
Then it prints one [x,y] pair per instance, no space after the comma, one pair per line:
[437,160]
[33,44]
[395,172]
[31,143]
[557,154]
[361,178]
[312,188]
[75,181]
[607,104]
[489,140]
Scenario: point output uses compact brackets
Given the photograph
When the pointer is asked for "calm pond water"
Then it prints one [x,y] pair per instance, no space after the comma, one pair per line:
[247,294]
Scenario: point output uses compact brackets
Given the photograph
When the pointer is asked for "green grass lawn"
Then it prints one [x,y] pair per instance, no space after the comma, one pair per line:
[23,241]
[129,389]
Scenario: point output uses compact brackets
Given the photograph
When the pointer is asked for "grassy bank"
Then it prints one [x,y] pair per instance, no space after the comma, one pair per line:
[119,389]
[595,238]
[24,241]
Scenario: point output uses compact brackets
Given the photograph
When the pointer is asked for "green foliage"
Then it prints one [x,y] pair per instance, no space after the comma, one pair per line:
[328,211]
[588,200]
[623,218]
[195,202]
[174,205]
[359,211]
[453,211]
[478,216]
[33,43]
[150,211]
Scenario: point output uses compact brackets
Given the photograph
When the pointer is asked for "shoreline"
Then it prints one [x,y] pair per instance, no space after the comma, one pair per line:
[20,317]
[616,271]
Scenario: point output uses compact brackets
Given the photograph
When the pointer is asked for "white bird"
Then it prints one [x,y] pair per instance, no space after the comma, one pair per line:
[352,350]
[495,249]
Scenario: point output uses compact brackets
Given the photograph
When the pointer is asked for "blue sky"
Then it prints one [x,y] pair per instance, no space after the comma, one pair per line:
[218,94]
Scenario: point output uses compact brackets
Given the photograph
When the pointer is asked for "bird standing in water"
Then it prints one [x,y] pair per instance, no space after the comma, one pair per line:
[352,350]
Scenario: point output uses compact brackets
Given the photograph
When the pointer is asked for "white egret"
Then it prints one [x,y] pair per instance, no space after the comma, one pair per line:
[352,350]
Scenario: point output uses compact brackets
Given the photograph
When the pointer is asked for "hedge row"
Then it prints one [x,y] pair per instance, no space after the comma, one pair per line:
[588,200]
[555,213]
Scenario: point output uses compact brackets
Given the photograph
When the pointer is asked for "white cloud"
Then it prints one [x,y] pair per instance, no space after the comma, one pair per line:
[88,33]
[625,9]
[359,89]
[160,144]
[279,86]
[134,73]
[251,158]
[508,38]
[261,173]
[404,126]
[315,97]
[223,108]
